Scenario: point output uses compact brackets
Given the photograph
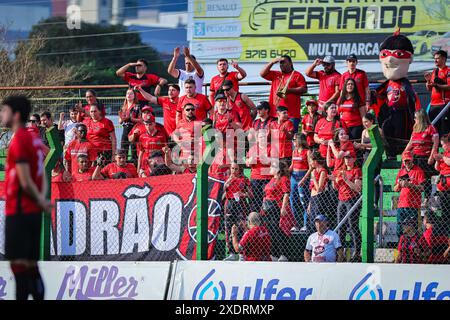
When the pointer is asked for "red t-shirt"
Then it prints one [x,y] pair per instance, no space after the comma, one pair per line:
[85,176]
[243,111]
[276,188]
[292,101]
[438,244]
[146,81]
[25,147]
[87,111]
[308,128]
[259,170]
[259,124]
[200,102]
[444,170]
[349,114]
[239,184]
[112,168]
[397,97]
[77,147]
[300,160]
[169,113]
[324,130]
[186,131]
[440,97]
[149,142]
[411,198]
[344,191]
[317,173]
[346,146]
[217,80]
[220,165]
[362,82]
[327,84]
[222,122]
[406,247]
[422,142]
[285,132]
[98,133]
[255,244]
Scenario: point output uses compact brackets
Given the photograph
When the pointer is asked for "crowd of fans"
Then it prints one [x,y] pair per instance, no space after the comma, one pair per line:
[305,170]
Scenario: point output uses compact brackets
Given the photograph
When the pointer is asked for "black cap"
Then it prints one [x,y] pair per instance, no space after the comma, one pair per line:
[219,96]
[227,83]
[282,108]
[120,152]
[352,57]
[263,105]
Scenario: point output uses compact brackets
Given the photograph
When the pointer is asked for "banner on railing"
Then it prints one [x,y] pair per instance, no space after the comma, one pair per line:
[95,280]
[129,219]
[215,280]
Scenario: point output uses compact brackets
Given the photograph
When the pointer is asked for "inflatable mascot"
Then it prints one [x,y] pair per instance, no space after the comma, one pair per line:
[396,96]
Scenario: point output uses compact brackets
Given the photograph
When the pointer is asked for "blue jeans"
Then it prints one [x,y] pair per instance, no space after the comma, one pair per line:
[295,122]
[299,197]
[258,194]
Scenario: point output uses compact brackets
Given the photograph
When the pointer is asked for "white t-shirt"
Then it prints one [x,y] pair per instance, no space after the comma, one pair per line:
[184,75]
[324,246]
[69,131]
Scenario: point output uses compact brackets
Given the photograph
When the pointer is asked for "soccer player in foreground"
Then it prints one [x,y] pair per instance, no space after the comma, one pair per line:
[25,187]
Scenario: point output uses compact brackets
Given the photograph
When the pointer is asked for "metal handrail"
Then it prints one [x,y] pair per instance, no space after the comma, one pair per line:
[441,114]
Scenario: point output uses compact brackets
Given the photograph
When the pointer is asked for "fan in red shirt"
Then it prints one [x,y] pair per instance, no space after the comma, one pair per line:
[284,130]
[128,118]
[226,121]
[149,140]
[25,197]
[79,146]
[411,246]
[286,88]
[101,133]
[436,239]
[237,191]
[309,122]
[169,105]
[409,182]
[218,80]
[325,128]
[438,82]
[275,205]
[119,169]
[188,132]
[424,144]
[255,245]
[84,171]
[338,148]
[360,77]
[443,167]
[351,109]
[199,101]
[84,111]
[258,159]
[241,103]
[141,78]
[329,80]
[348,183]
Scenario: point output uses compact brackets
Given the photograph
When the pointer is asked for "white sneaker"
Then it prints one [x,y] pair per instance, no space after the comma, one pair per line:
[232,257]
[304,229]
[283,258]
[274,258]
[294,230]
[241,257]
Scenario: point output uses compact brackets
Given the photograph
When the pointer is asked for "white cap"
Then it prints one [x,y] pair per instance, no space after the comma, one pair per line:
[328,59]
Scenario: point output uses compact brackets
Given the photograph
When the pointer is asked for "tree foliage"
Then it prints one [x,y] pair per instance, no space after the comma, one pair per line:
[97,51]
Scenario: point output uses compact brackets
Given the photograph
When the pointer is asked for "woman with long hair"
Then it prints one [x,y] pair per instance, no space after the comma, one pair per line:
[299,167]
[237,191]
[318,185]
[338,148]
[351,109]
[91,98]
[128,117]
[275,205]
[100,132]
[325,127]
[423,145]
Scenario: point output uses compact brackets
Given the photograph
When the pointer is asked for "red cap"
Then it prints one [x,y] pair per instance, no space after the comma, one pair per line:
[147,108]
[407,155]
[312,101]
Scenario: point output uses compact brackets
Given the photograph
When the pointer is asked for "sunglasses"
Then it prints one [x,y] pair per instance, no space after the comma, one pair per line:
[227,89]
[33,121]
[189,110]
